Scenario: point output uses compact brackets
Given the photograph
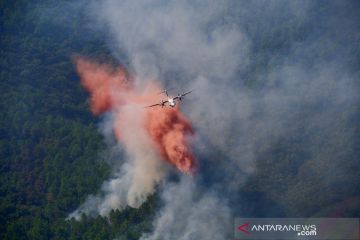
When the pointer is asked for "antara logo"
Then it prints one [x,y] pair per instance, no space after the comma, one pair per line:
[244,228]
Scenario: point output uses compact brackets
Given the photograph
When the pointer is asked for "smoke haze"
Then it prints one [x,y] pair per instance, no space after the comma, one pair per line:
[149,136]
[261,94]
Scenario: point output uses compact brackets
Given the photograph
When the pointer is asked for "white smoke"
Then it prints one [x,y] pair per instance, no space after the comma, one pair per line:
[190,214]
[137,177]
[159,38]
[204,45]
[192,38]
[182,36]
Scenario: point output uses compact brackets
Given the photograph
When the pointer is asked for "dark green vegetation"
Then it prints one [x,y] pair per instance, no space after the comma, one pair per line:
[49,144]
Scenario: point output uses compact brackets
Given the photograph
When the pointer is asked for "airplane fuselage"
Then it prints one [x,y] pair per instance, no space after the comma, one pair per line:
[172,102]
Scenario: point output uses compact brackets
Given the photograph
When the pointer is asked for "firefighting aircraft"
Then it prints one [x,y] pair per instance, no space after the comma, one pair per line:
[170,101]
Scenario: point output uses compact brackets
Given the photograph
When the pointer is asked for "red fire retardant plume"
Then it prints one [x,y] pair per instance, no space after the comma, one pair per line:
[112,88]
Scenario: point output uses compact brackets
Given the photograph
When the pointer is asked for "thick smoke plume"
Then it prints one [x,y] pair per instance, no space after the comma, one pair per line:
[149,136]
[114,89]
[274,107]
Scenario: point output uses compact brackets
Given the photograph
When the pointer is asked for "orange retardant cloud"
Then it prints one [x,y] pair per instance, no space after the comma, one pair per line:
[101,81]
[111,89]
[168,128]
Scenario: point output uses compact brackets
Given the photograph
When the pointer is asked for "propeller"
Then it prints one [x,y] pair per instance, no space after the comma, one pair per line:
[162,103]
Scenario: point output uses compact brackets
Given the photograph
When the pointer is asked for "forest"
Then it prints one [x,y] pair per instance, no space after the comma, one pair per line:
[52,155]
[49,143]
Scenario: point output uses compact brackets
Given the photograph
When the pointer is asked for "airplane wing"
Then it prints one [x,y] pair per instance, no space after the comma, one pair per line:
[157,104]
[182,95]
[186,93]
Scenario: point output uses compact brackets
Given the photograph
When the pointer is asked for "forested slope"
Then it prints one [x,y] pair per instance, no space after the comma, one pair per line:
[49,145]
[52,155]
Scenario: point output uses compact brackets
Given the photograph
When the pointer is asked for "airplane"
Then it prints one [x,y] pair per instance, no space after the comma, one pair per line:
[171,100]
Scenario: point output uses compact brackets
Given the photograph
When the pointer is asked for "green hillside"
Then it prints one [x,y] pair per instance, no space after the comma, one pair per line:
[49,143]
[52,155]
